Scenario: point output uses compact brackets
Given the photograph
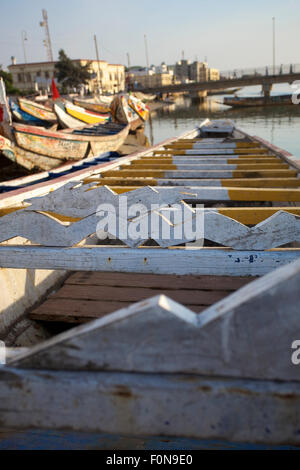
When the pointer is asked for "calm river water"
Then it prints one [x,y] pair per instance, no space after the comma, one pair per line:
[279,125]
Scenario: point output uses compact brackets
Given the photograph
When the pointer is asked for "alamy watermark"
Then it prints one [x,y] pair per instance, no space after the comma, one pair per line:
[2,353]
[179,222]
[295,358]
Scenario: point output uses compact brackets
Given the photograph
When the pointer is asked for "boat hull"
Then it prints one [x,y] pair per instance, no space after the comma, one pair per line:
[66,145]
[65,120]
[85,116]
[36,110]
[96,107]
[22,116]
[123,113]
[50,145]
[281,100]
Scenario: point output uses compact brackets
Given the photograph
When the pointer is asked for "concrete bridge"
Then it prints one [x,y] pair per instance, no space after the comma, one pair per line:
[200,88]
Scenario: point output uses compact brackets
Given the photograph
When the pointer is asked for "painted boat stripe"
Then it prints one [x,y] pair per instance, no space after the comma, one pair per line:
[203,174]
[204,159]
[205,166]
[228,194]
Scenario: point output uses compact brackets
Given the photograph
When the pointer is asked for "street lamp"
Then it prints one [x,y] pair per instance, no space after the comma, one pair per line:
[273,21]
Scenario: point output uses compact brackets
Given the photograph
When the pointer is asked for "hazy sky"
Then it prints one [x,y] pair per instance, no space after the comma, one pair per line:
[231,33]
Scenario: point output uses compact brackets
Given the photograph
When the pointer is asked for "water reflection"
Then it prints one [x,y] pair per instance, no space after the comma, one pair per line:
[278,124]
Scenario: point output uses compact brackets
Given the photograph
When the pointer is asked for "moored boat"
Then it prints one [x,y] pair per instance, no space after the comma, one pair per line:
[38,148]
[37,110]
[73,144]
[248,101]
[65,120]
[21,116]
[97,107]
[122,112]
[139,107]
[84,115]
[145,346]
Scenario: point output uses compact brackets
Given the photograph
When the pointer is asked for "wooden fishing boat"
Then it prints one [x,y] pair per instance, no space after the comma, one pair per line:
[122,112]
[37,110]
[226,374]
[273,100]
[84,115]
[103,108]
[139,107]
[71,144]
[23,117]
[65,120]
[36,148]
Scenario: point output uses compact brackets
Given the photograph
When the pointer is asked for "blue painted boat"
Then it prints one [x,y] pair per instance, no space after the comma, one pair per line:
[21,116]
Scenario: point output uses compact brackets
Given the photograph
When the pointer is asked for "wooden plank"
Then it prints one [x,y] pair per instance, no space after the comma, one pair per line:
[181,405]
[209,157]
[202,159]
[157,281]
[81,311]
[191,261]
[255,173]
[229,193]
[233,182]
[286,156]
[205,166]
[70,306]
[254,215]
[136,294]
[216,151]
[74,311]
[192,144]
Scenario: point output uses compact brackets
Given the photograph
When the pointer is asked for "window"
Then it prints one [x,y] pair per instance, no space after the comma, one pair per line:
[38,74]
[47,74]
[20,77]
[28,77]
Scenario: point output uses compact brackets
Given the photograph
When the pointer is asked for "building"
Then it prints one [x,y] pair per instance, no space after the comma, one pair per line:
[148,79]
[199,71]
[214,74]
[182,70]
[196,71]
[38,75]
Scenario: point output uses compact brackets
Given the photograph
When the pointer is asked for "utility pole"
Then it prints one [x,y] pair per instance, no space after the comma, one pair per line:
[47,41]
[273,21]
[24,38]
[99,80]
[182,55]
[128,60]
[146,51]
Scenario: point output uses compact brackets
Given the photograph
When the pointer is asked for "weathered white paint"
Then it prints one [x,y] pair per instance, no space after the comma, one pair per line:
[217,125]
[279,229]
[151,404]
[249,334]
[148,260]
[20,290]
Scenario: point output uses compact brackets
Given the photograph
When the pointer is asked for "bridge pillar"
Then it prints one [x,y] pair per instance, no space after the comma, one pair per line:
[198,96]
[266,89]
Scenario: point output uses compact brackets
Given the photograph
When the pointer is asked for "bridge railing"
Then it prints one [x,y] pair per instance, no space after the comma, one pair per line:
[262,71]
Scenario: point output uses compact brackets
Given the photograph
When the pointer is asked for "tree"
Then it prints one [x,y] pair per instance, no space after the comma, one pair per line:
[69,73]
[8,81]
